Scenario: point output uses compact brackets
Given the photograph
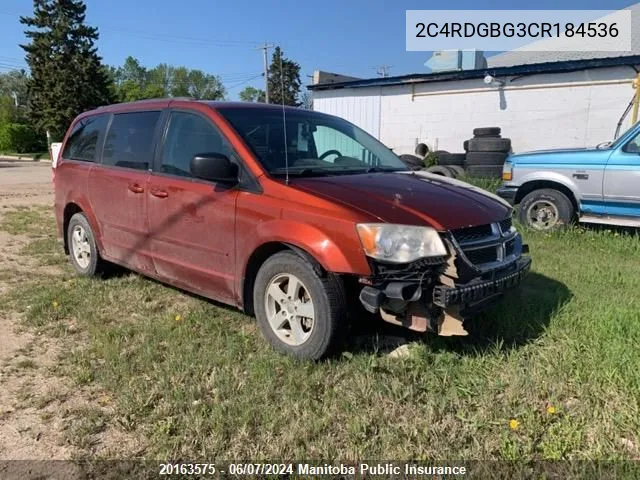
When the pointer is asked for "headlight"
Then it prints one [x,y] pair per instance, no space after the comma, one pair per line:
[399,243]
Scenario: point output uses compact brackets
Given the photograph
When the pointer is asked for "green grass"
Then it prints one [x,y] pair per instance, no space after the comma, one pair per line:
[490,184]
[208,386]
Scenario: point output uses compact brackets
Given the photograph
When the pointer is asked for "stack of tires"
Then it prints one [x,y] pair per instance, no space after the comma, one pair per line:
[486,152]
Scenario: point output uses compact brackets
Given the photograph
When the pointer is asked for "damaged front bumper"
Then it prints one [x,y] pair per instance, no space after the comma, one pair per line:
[437,294]
[475,291]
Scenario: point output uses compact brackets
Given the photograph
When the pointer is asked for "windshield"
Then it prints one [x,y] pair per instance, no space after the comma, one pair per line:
[317,144]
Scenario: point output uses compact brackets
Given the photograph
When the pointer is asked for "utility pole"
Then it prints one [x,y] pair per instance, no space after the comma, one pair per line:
[265,48]
[383,70]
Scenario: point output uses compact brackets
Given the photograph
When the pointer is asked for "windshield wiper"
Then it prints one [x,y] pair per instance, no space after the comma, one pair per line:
[301,172]
[383,169]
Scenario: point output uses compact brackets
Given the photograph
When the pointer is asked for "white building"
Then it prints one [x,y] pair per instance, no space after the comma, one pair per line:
[541,100]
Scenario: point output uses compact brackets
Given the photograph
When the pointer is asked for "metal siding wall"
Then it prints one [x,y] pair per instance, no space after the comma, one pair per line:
[554,114]
[359,106]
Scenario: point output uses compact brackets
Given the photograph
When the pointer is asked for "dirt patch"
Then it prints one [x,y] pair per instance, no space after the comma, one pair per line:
[25,183]
[43,414]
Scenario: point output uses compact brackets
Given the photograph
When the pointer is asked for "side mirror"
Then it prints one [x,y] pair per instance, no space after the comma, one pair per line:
[214,167]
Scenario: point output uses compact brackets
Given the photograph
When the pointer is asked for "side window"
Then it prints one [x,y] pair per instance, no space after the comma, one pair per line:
[83,141]
[129,141]
[188,135]
[633,146]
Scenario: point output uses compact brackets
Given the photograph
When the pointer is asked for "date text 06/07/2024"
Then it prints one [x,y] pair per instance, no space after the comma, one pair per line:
[371,469]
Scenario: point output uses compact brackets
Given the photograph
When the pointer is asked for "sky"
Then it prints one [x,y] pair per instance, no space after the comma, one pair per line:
[352,37]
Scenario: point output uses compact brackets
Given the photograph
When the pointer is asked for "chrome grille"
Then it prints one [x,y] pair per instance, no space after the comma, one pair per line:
[489,246]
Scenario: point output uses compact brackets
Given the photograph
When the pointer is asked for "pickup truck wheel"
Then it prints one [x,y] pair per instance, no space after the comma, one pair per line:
[83,250]
[299,312]
[546,209]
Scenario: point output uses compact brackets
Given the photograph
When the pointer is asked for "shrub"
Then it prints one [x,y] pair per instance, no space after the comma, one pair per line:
[21,138]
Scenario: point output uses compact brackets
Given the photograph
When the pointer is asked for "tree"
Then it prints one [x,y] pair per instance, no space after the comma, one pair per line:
[306,100]
[13,97]
[67,76]
[14,84]
[131,71]
[284,77]
[196,84]
[135,82]
[251,94]
[203,86]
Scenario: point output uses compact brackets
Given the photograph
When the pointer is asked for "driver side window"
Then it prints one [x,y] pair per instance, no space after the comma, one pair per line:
[190,134]
[633,146]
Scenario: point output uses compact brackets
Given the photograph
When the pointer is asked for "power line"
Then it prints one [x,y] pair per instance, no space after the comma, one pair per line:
[180,39]
[239,84]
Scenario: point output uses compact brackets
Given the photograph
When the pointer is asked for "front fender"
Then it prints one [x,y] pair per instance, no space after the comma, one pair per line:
[546,176]
[339,251]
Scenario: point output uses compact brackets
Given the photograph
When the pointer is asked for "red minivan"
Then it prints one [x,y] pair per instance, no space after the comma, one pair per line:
[294,216]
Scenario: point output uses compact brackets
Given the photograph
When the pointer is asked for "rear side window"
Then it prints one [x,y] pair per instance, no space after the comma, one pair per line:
[83,141]
[129,141]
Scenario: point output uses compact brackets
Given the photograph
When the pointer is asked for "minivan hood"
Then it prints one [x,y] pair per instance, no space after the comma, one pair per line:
[410,198]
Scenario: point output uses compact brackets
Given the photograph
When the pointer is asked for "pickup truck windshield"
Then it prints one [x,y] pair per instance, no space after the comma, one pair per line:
[316,144]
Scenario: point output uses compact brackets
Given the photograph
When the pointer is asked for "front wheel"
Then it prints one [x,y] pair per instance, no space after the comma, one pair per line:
[546,209]
[299,312]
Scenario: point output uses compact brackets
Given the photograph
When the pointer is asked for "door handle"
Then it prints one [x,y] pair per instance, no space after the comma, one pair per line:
[159,193]
[135,188]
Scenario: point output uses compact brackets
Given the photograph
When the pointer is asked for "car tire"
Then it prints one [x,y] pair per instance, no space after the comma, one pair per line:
[486,132]
[305,340]
[447,159]
[83,250]
[546,209]
[412,162]
[486,158]
[486,144]
[484,171]
[457,171]
[440,170]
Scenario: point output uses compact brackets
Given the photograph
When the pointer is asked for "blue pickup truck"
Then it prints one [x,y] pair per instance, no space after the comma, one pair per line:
[592,185]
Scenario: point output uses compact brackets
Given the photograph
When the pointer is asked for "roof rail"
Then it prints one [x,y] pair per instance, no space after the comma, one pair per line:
[147,100]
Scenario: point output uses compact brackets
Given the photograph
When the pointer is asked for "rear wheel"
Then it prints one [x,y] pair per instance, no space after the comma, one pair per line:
[546,209]
[299,312]
[83,250]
